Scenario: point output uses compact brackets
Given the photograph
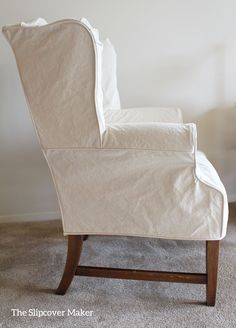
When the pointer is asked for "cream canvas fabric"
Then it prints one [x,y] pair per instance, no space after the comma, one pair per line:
[111,97]
[134,172]
[108,92]
[144,115]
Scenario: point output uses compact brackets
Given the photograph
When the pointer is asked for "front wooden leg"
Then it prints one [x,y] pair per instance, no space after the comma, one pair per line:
[74,249]
[212,256]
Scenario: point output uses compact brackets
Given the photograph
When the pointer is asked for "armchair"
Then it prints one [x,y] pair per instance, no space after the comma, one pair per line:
[127,172]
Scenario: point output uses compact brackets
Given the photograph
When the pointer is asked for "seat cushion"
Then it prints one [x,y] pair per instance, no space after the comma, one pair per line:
[111,98]
[144,115]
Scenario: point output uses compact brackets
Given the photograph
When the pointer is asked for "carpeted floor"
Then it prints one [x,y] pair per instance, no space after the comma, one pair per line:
[32,257]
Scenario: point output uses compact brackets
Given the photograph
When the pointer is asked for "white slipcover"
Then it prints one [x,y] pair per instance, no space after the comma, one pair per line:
[111,97]
[133,172]
[109,90]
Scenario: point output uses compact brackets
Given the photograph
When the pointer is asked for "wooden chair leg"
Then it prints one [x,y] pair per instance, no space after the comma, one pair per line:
[73,255]
[212,255]
[75,243]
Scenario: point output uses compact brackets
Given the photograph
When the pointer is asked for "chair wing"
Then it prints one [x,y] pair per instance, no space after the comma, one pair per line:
[58,66]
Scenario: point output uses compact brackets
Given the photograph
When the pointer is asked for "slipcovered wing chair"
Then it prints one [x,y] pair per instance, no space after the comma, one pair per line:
[134,172]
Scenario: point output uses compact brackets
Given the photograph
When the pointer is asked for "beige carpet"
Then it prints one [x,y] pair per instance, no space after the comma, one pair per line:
[32,260]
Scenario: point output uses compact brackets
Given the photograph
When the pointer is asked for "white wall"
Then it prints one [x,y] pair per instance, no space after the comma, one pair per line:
[171,53]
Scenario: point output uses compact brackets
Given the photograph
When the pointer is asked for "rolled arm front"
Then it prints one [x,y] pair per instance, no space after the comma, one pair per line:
[151,136]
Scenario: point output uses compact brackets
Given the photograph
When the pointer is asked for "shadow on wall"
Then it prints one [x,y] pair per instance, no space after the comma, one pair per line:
[217,138]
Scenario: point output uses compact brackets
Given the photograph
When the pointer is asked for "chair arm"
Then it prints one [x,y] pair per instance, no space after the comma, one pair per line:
[143,115]
[151,136]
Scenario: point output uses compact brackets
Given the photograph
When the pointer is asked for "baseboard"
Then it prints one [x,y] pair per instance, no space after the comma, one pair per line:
[28,217]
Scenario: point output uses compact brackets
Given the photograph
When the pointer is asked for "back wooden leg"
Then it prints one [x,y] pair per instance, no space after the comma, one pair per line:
[73,255]
[212,255]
